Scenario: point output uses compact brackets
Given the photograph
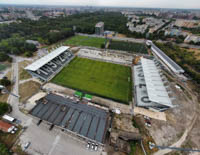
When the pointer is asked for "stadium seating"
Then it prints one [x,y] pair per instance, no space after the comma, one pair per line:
[52,67]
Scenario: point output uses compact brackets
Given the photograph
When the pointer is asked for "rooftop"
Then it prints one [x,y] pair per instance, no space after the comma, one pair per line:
[44,60]
[150,91]
[167,60]
[5,126]
[87,121]
[100,24]
[155,88]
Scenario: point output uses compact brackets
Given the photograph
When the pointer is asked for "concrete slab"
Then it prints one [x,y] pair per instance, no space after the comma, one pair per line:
[155,115]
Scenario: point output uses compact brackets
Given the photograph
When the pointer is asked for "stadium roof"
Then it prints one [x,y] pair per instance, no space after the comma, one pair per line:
[167,60]
[155,88]
[44,60]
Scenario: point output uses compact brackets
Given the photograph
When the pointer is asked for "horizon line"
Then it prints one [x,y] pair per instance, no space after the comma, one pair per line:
[99,6]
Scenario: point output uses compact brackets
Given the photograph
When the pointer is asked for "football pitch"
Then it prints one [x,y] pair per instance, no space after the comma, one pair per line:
[85,41]
[98,78]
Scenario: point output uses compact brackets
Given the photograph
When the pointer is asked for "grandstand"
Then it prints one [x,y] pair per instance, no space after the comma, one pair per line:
[48,66]
[167,61]
[150,86]
[112,57]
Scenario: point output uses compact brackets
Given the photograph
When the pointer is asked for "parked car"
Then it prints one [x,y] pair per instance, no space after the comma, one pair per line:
[13,132]
[151,145]
[27,145]
[92,146]
[146,117]
[88,145]
[15,129]
[148,123]
[96,147]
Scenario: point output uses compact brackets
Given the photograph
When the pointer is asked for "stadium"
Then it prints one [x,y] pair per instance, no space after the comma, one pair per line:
[101,78]
[106,78]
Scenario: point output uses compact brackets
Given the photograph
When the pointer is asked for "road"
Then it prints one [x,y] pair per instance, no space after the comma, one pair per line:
[14,101]
[43,141]
[181,140]
[189,127]
[54,142]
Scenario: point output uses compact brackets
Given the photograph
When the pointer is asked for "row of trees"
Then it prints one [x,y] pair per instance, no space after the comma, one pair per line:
[48,30]
[128,46]
[15,45]
[85,23]
[187,60]
[195,30]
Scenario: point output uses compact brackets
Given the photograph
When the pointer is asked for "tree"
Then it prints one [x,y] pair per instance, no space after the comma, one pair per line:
[28,54]
[4,108]
[102,45]
[30,47]
[3,57]
[4,150]
[5,82]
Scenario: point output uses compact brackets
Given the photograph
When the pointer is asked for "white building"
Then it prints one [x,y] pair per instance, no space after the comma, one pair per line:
[150,86]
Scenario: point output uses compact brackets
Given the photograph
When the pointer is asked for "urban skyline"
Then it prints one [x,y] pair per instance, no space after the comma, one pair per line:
[184,4]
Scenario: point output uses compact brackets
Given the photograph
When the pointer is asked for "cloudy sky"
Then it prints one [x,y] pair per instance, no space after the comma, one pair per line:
[130,3]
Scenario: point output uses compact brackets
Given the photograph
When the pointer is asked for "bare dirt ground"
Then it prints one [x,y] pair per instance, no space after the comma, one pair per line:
[196,52]
[31,102]
[23,74]
[28,89]
[155,115]
[166,133]
[56,88]
[126,109]
[4,98]
[124,123]
[121,35]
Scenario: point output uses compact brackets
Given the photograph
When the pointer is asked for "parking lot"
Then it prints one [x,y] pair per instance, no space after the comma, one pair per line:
[54,142]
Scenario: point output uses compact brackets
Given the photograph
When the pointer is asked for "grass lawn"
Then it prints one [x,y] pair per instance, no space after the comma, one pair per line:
[2,67]
[85,41]
[99,78]
[23,74]
[128,46]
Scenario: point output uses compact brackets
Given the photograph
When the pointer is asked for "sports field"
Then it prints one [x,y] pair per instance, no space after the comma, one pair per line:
[128,46]
[85,41]
[98,78]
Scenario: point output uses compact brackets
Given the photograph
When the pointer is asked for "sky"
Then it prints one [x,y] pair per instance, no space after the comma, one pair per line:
[191,4]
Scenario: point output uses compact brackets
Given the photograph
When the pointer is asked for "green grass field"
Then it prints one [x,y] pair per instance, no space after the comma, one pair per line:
[85,41]
[2,67]
[98,78]
[128,46]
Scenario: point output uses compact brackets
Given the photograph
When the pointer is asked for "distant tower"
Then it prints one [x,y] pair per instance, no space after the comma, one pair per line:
[99,28]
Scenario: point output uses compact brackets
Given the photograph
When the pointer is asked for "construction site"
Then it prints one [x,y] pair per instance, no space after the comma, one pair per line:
[154,113]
